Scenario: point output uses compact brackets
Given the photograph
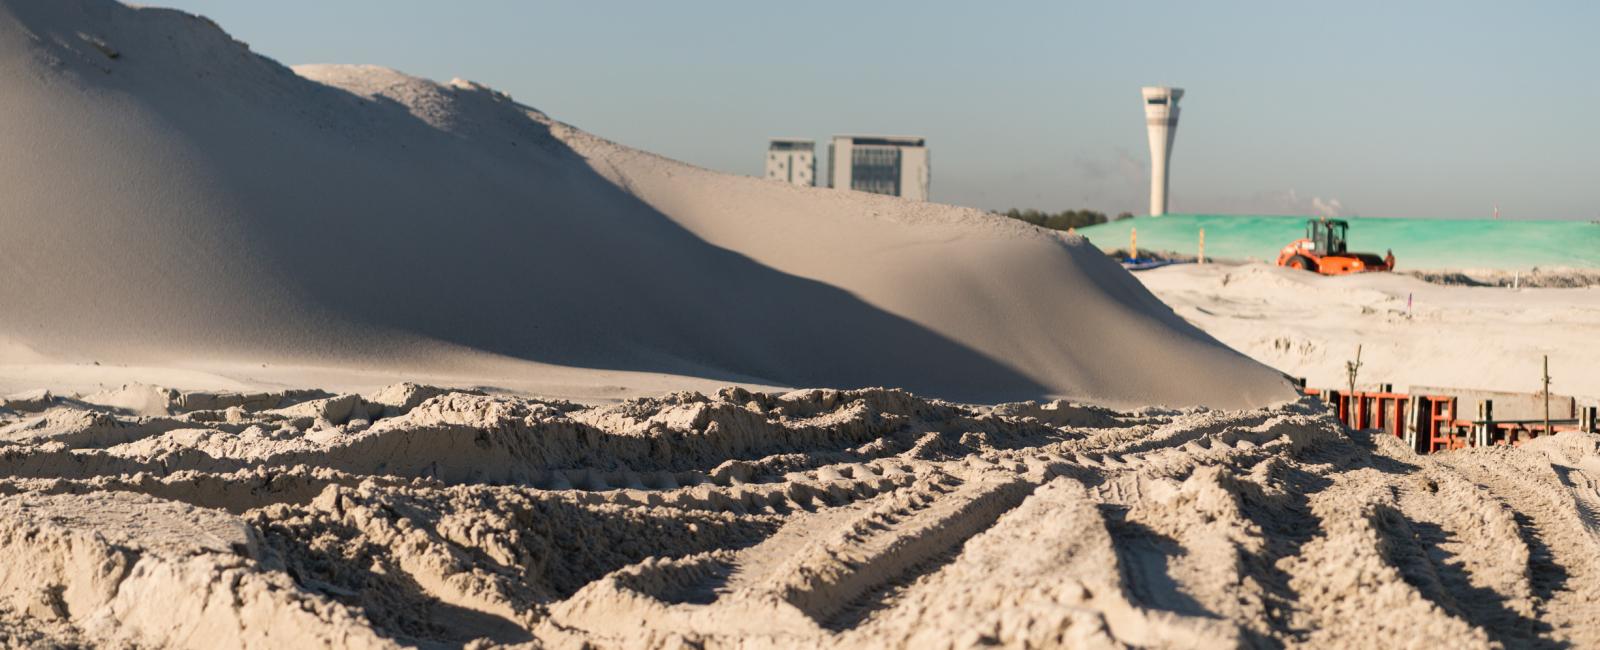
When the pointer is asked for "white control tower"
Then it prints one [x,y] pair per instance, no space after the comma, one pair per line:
[1161,116]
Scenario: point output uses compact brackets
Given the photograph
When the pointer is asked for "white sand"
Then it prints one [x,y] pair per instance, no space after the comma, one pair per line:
[180,212]
[1487,338]
[415,516]
[190,206]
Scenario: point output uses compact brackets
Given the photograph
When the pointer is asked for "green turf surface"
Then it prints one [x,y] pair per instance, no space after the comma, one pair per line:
[1417,243]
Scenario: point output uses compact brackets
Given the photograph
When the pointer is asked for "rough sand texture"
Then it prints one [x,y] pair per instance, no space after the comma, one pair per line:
[190,206]
[1553,278]
[1483,338]
[865,518]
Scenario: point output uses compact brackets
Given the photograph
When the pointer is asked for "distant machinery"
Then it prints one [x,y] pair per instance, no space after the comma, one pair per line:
[881,164]
[792,160]
[1324,251]
[1161,117]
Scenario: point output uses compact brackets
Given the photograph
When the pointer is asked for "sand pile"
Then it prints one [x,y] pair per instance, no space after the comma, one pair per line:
[871,518]
[1412,333]
[174,201]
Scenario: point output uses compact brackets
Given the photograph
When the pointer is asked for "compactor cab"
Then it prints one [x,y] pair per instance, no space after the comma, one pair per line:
[1327,237]
[1323,250]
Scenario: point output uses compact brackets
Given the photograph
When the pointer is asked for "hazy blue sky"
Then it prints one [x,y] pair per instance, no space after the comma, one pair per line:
[1387,108]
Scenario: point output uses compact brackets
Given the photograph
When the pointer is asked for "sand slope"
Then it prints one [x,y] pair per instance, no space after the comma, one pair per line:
[171,199]
[422,517]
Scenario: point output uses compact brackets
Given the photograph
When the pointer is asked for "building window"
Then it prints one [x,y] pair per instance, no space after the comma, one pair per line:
[875,170]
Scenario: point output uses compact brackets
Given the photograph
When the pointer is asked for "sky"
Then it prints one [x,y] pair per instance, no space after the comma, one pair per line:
[1386,109]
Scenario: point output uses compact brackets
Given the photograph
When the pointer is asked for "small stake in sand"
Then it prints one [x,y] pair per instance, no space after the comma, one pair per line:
[1202,259]
[1353,367]
[1547,394]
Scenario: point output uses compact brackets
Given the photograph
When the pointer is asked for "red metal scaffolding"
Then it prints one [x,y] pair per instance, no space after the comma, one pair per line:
[1430,423]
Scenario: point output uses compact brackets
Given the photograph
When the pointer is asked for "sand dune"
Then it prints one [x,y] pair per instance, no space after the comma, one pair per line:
[173,200]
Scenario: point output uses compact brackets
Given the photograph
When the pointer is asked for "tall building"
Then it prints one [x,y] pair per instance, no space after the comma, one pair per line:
[893,165]
[792,160]
[1161,117]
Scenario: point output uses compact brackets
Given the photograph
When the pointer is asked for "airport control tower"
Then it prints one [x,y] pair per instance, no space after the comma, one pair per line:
[1161,116]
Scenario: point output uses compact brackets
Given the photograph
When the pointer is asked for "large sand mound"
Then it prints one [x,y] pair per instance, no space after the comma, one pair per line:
[169,198]
[416,516]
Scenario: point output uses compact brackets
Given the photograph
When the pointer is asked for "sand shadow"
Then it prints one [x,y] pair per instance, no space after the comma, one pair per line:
[1416,550]
[1287,524]
[1145,557]
[570,545]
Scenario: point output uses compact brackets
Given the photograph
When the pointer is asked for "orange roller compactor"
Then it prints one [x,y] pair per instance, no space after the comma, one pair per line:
[1323,250]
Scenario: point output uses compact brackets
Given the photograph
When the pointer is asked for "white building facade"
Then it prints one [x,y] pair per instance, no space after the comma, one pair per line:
[792,160]
[1161,118]
[881,164]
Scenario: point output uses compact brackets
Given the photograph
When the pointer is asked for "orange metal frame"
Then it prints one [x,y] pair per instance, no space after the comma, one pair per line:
[1439,422]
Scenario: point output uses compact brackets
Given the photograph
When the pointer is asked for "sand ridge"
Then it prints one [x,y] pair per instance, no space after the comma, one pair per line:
[863,518]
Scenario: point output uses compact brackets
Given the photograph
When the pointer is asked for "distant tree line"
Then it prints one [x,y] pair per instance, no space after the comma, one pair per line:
[1062,220]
